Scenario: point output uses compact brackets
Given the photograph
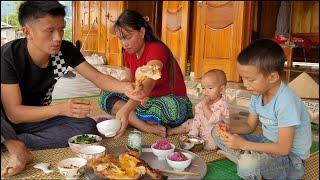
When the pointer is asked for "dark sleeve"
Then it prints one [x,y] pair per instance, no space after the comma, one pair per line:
[74,53]
[8,71]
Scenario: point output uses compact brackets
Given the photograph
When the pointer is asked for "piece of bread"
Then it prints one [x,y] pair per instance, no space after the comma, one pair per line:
[147,71]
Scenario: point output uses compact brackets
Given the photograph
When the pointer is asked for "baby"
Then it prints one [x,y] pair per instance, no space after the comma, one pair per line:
[209,111]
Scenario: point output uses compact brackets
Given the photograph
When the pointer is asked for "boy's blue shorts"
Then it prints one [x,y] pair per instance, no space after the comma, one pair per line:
[265,165]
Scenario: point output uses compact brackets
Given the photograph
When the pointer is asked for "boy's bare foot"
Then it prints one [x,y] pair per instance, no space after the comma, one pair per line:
[157,130]
[228,156]
[19,158]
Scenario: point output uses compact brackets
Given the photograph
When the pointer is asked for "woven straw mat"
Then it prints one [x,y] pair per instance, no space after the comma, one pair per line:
[53,156]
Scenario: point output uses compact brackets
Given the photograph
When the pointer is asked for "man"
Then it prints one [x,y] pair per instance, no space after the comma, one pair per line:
[31,66]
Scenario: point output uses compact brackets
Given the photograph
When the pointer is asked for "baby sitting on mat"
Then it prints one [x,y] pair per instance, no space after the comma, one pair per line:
[209,111]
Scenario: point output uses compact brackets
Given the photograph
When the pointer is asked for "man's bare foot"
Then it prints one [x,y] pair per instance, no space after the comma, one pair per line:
[157,130]
[228,156]
[19,158]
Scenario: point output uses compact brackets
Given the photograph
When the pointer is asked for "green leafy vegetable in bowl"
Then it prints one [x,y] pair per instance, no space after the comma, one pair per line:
[85,139]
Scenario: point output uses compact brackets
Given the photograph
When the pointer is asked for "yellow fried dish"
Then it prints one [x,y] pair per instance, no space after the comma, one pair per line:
[127,166]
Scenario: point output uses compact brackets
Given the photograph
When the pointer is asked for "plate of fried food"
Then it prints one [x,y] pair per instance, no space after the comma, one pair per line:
[119,163]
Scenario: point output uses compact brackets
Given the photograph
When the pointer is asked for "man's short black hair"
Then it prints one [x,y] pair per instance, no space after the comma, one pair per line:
[31,10]
[265,54]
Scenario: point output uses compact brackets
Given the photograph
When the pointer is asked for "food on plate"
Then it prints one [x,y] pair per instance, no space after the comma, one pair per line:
[163,145]
[71,166]
[221,129]
[126,166]
[85,139]
[147,71]
[186,140]
[177,156]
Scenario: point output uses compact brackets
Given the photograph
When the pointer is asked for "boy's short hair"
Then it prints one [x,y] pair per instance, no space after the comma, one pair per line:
[265,54]
[31,10]
[218,73]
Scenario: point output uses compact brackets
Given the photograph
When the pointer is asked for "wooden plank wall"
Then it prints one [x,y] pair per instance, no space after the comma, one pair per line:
[305,17]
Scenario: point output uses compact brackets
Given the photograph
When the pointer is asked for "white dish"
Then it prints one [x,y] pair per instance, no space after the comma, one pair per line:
[162,154]
[180,165]
[76,147]
[70,167]
[109,128]
[92,152]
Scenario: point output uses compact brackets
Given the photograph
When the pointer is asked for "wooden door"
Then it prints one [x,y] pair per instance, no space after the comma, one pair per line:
[102,28]
[86,25]
[175,21]
[89,23]
[113,46]
[151,10]
[220,36]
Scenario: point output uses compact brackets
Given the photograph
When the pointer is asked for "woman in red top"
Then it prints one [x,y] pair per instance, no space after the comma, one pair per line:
[168,104]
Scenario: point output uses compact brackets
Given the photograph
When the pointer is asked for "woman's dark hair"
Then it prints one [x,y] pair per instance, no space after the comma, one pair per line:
[134,20]
[265,54]
[31,10]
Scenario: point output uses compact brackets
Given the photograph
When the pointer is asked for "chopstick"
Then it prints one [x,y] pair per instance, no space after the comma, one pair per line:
[181,173]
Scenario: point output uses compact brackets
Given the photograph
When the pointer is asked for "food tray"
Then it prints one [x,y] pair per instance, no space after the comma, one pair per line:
[197,165]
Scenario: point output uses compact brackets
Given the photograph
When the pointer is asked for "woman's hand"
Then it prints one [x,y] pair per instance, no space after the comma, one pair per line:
[78,108]
[123,116]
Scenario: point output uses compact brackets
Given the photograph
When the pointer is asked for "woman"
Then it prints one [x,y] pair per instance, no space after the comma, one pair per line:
[168,104]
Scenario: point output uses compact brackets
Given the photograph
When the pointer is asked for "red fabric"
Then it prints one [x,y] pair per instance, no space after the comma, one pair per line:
[280,39]
[156,51]
[305,42]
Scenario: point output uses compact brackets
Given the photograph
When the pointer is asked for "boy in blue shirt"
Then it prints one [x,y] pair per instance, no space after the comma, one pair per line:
[281,151]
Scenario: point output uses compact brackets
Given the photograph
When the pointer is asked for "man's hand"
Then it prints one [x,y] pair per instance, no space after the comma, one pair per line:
[78,108]
[123,116]
[136,93]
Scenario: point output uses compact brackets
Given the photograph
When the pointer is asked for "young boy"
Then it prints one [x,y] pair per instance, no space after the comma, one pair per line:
[281,151]
[212,109]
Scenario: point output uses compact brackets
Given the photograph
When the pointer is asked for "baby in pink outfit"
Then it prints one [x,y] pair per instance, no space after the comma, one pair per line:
[209,111]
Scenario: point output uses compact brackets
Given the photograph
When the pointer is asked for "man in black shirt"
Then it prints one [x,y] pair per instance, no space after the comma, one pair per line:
[30,67]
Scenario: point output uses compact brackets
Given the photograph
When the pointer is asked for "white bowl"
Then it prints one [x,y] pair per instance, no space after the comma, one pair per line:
[109,128]
[70,167]
[179,165]
[76,147]
[162,154]
[92,152]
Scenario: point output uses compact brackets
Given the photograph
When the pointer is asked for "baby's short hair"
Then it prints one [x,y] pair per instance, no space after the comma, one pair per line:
[265,54]
[217,73]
